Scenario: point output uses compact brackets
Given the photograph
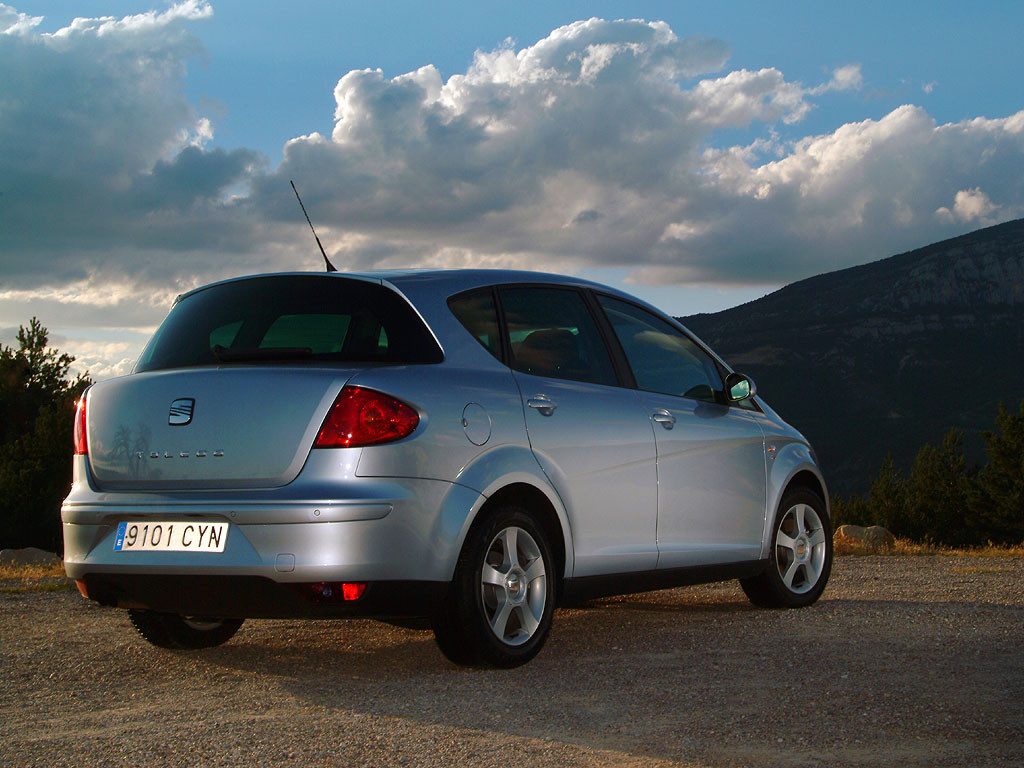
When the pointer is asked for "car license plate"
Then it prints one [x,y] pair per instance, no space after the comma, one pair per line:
[176,536]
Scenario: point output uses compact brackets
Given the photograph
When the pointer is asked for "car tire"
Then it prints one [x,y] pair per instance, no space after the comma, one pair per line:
[800,556]
[168,630]
[498,611]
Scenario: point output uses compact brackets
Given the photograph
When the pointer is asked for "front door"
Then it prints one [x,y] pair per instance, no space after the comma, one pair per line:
[711,462]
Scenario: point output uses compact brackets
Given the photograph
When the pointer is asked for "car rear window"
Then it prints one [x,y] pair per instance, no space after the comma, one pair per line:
[293,319]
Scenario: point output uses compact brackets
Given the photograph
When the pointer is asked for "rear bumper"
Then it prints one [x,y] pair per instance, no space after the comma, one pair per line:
[318,529]
[243,597]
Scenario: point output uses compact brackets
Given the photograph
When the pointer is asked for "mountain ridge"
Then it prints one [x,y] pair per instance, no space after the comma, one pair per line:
[883,357]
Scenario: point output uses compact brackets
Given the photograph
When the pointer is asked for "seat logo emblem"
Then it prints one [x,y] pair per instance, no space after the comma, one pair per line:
[181,412]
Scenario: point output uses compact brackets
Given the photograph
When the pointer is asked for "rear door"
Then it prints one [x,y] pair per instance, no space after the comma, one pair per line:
[711,461]
[592,437]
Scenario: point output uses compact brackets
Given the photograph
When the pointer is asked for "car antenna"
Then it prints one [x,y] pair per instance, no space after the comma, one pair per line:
[330,267]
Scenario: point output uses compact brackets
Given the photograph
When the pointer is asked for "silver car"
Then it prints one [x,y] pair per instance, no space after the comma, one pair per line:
[455,450]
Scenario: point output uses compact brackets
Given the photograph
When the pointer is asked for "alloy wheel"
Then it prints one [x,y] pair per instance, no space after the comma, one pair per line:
[800,548]
[513,586]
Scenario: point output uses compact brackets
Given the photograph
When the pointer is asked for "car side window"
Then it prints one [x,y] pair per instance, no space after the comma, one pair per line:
[552,333]
[663,358]
[476,311]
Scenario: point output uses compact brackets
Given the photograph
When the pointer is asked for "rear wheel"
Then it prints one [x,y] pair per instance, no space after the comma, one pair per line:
[800,559]
[498,612]
[168,630]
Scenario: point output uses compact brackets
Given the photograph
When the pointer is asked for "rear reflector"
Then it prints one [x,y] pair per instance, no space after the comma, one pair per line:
[365,417]
[81,444]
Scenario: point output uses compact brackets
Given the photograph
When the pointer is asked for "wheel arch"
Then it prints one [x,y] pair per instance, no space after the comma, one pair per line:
[509,474]
[536,502]
[811,482]
[793,467]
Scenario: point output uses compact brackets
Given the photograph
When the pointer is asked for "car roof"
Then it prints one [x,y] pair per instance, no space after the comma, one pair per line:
[450,280]
[468,278]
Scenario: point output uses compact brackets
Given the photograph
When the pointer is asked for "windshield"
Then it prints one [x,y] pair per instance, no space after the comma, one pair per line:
[290,318]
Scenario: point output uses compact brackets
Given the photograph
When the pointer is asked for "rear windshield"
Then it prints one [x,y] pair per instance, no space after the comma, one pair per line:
[293,319]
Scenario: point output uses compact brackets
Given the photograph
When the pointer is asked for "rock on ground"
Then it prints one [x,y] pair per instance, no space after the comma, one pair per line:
[874,538]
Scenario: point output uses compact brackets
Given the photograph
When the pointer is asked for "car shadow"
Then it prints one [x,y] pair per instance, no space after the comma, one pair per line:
[595,677]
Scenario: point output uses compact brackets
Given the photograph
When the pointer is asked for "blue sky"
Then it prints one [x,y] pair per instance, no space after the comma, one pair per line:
[698,163]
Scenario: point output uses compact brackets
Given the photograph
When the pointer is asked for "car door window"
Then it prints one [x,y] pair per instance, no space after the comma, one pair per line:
[663,358]
[552,333]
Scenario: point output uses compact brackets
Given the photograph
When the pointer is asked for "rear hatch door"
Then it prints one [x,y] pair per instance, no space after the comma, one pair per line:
[240,427]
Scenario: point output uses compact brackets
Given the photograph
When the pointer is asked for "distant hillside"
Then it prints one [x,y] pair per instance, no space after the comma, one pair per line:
[889,355]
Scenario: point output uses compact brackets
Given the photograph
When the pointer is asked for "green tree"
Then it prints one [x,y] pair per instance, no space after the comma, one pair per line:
[938,495]
[887,499]
[37,404]
[998,498]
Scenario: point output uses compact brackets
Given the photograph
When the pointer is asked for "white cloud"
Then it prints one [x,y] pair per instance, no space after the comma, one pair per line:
[741,97]
[14,23]
[865,191]
[969,205]
[599,145]
[845,78]
[105,359]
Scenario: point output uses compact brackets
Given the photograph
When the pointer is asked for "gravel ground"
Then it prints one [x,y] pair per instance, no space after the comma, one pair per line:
[904,661]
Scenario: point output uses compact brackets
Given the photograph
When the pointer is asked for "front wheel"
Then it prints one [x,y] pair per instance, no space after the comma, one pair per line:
[499,610]
[168,630]
[800,558]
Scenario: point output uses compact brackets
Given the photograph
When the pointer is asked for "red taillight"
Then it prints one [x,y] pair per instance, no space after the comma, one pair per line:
[365,417]
[352,590]
[81,444]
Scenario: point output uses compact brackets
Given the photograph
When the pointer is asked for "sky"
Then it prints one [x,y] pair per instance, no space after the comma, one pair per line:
[696,154]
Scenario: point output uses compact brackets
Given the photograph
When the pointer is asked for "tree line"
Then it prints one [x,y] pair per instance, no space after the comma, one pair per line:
[943,500]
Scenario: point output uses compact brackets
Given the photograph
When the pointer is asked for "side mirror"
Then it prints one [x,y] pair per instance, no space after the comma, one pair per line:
[739,387]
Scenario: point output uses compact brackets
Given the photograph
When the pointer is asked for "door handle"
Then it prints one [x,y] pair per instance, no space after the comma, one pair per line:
[543,404]
[663,417]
